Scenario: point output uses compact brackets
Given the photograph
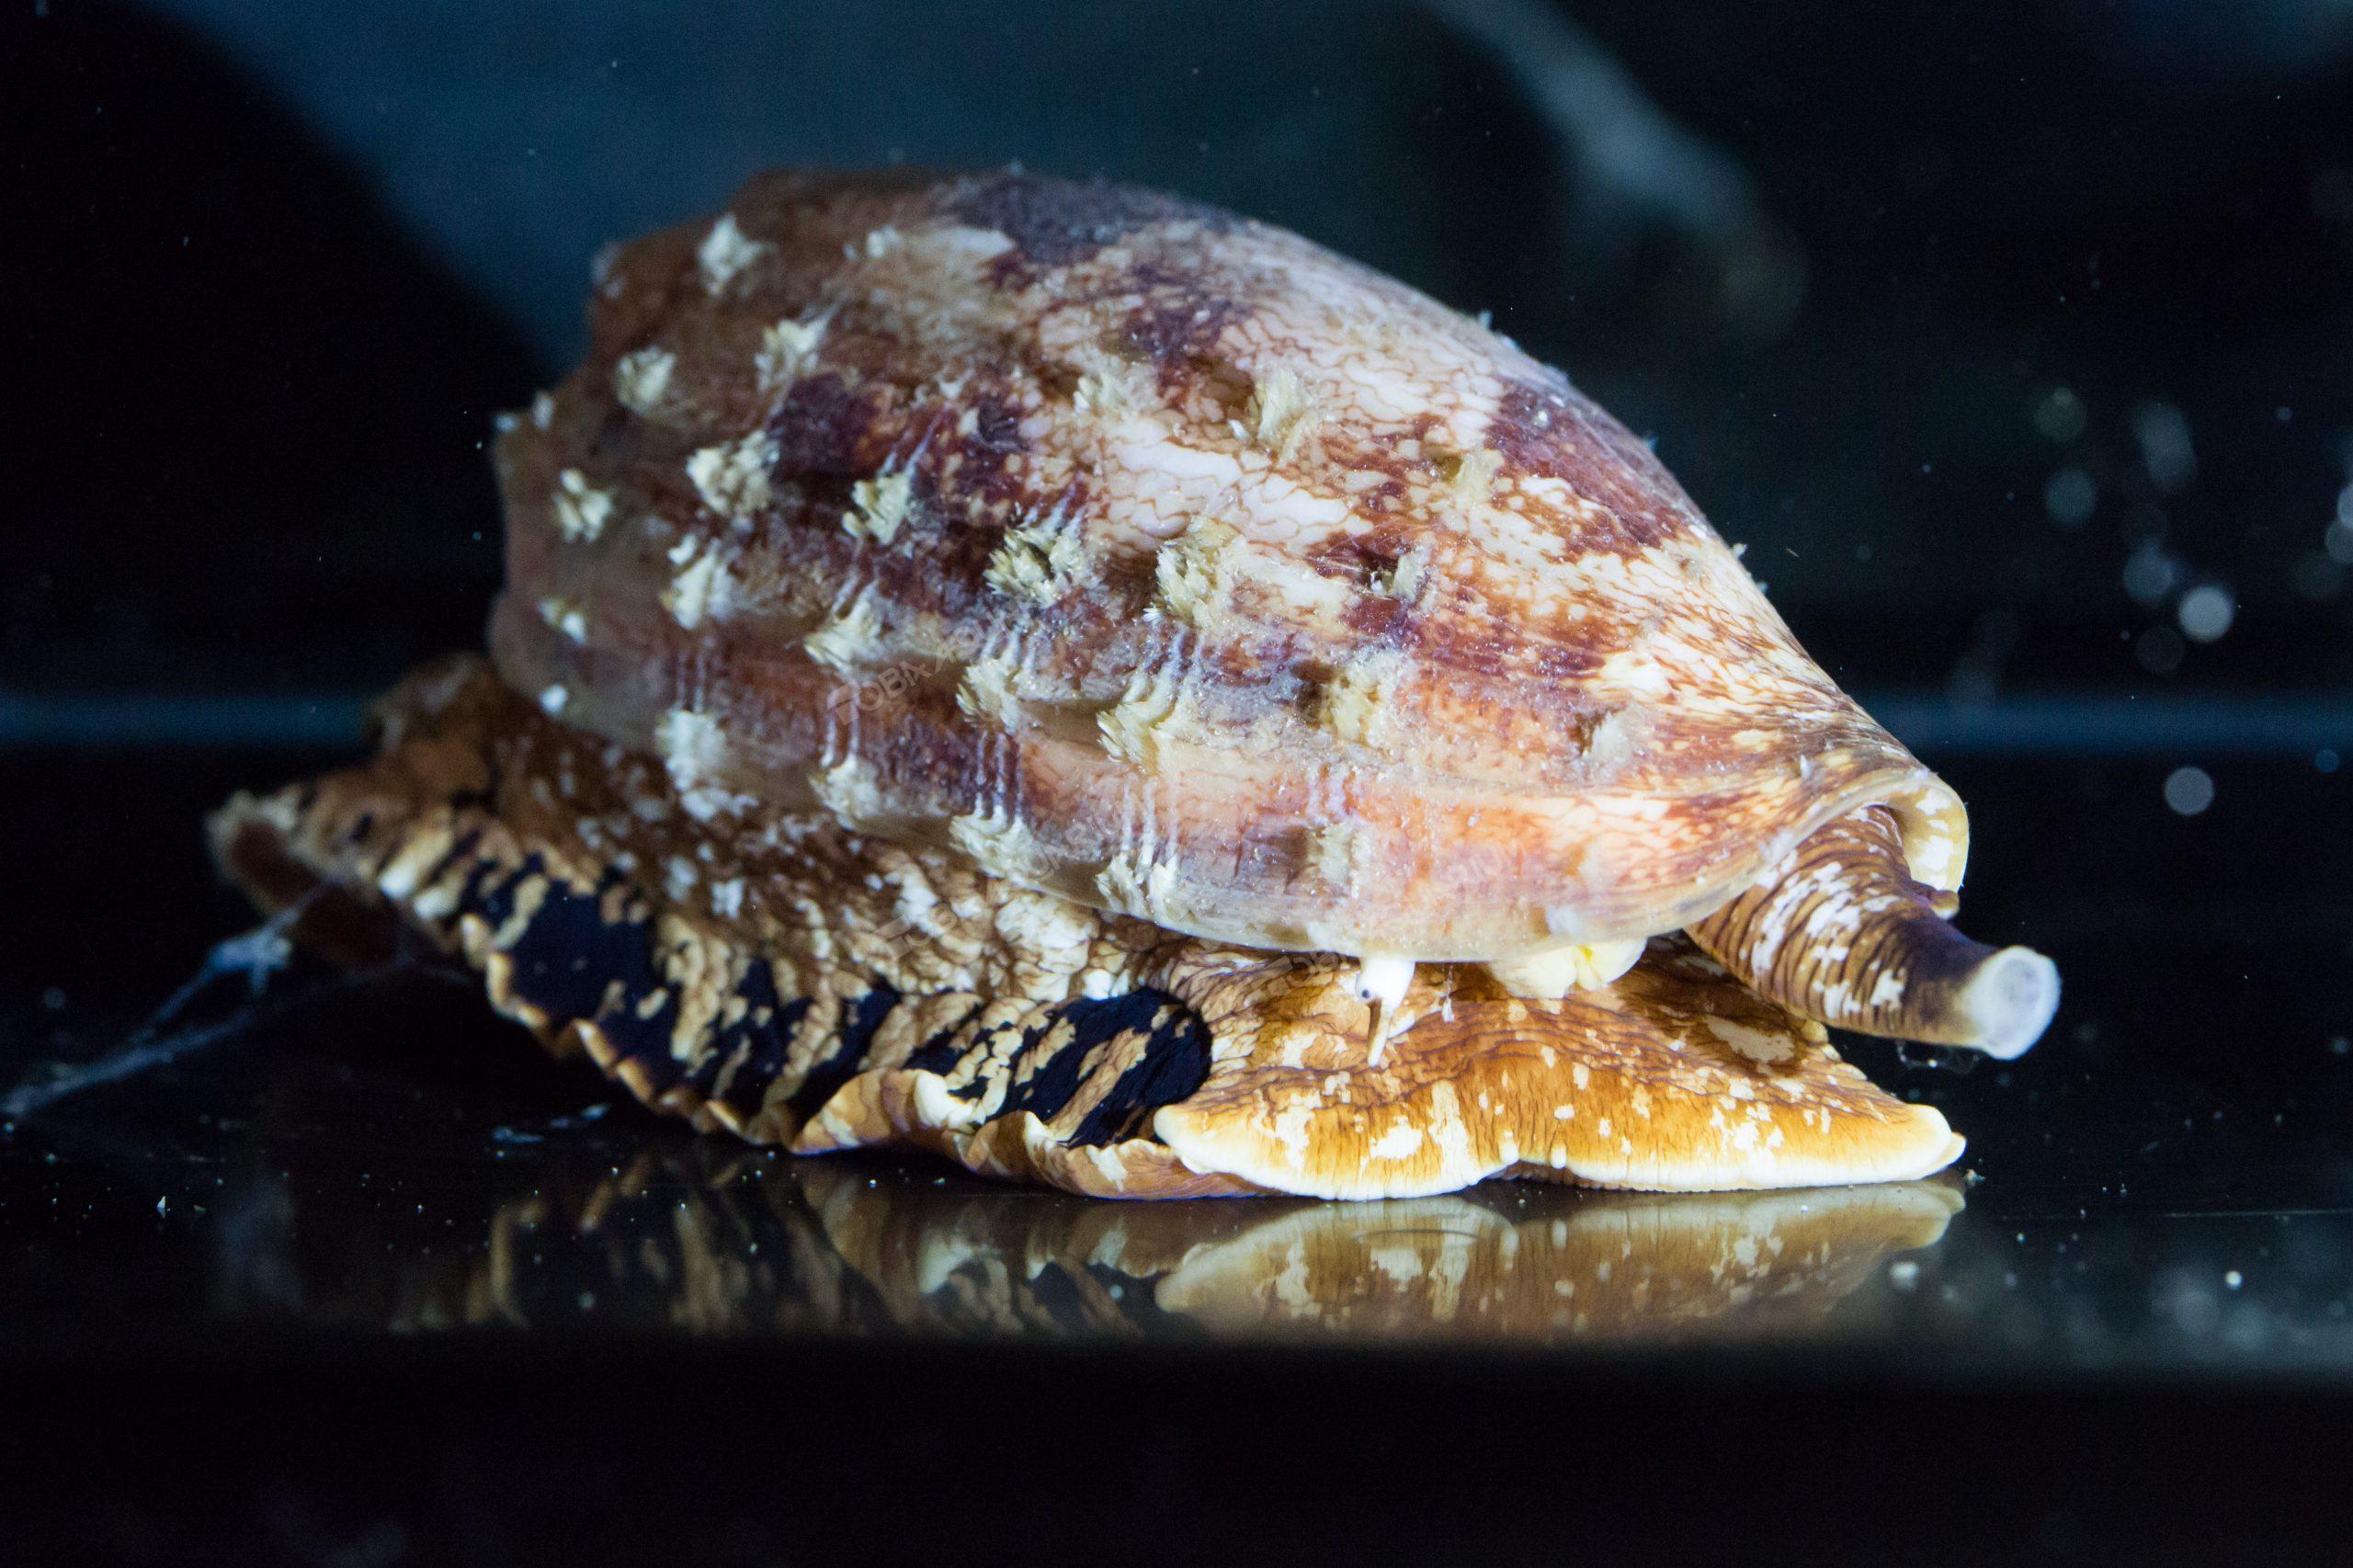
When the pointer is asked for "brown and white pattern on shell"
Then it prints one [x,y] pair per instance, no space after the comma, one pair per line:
[1197,572]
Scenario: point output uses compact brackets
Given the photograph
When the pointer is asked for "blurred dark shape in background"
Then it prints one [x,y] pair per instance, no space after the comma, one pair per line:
[2008,338]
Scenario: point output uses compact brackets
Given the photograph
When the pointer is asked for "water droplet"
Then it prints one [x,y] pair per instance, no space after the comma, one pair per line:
[2070,498]
[2059,415]
[2149,576]
[2189,790]
[2206,612]
[2163,433]
[2338,539]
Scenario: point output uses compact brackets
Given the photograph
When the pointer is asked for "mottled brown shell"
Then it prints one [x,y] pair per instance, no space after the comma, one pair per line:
[1165,561]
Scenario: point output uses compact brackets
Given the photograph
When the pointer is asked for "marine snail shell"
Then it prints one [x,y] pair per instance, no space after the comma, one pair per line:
[1167,563]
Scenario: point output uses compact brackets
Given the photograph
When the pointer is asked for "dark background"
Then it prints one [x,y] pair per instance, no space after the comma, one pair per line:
[1950,312]
[1995,331]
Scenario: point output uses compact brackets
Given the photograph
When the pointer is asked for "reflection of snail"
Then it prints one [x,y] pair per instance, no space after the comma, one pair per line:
[1490,1264]
[1297,710]
[1614,1264]
[759,1246]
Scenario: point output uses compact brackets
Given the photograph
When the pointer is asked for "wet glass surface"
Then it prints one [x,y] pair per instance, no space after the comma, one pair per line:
[2165,1186]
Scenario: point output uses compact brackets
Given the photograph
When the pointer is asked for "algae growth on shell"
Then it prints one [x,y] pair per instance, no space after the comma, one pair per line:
[1166,564]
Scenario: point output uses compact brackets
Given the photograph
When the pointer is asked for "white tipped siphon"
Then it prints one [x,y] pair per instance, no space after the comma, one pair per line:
[1842,934]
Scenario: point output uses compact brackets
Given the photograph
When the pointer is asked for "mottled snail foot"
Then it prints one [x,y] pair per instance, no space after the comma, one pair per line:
[1673,1079]
[775,976]
[1839,932]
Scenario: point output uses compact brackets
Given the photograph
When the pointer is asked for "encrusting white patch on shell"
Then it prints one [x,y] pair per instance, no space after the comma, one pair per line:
[700,588]
[1281,413]
[1138,885]
[850,790]
[877,506]
[581,509]
[787,350]
[1195,571]
[1339,853]
[566,617]
[990,690]
[1000,844]
[1361,700]
[642,379]
[726,251]
[1152,710]
[733,477]
[1037,561]
[849,640]
[693,750]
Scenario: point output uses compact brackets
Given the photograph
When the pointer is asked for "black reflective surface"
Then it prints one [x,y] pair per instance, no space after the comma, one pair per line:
[2165,1186]
[371,1280]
